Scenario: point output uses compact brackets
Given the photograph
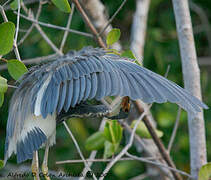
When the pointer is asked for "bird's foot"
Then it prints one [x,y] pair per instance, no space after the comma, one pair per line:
[45,171]
[35,171]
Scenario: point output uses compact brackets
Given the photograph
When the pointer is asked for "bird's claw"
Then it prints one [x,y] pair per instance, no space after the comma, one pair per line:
[45,171]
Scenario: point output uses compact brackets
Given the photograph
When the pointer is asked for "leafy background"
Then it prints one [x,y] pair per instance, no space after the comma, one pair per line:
[161,50]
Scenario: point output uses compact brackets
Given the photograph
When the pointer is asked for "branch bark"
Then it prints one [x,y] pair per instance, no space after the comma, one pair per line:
[191,75]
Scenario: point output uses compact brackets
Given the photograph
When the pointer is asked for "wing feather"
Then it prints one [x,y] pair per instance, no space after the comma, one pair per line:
[69,95]
[62,96]
[101,86]
[94,84]
[76,92]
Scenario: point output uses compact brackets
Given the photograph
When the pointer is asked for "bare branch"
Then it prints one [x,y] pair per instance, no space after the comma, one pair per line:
[139,28]
[26,35]
[89,23]
[113,16]
[36,60]
[173,135]
[191,75]
[54,26]
[18,20]
[68,25]
[96,160]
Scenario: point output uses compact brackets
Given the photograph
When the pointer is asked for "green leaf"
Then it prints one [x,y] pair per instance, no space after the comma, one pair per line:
[143,132]
[109,149]
[7,32]
[205,172]
[95,141]
[62,5]
[16,68]
[113,36]
[1,99]
[1,164]
[113,131]
[128,54]
[3,85]
[14,4]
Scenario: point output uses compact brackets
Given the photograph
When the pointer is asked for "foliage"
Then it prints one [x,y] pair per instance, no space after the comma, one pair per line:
[113,36]
[109,139]
[63,5]
[14,4]
[7,31]
[205,172]
[16,68]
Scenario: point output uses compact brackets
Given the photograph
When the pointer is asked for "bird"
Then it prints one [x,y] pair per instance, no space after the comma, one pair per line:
[51,91]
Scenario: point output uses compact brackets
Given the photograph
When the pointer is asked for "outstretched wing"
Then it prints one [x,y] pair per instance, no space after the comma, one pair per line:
[94,74]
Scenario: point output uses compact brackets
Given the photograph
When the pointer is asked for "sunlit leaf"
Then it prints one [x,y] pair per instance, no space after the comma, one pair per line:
[113,131]
[62,5]
[128,54]
[113,36]
[143,132]
[16,68]
[3,85]
[109,149]
[1,100]
[95,141]
[14,4]
[205,172]
[7,32]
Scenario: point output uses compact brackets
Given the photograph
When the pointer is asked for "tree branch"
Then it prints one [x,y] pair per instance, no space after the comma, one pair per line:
[191,77]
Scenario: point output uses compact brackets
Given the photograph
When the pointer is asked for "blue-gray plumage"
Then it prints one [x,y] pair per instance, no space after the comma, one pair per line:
[59,85]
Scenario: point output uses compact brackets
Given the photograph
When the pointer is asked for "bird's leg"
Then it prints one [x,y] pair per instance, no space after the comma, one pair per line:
[45,162]
[35,165]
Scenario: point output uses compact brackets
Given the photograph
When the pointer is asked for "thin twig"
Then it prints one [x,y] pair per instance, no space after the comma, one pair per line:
[18,21]
[97,160]
[77,147]
[89,23]
[68,26]
[174,130]
[6,3]
[114,15]
[26,35]
[157,164]
[36,60]
[55,27]
[42,33]
[11,86]
[140,177]
[167,71]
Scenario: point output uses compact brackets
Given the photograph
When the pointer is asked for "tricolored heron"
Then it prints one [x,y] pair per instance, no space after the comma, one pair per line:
[58,88]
